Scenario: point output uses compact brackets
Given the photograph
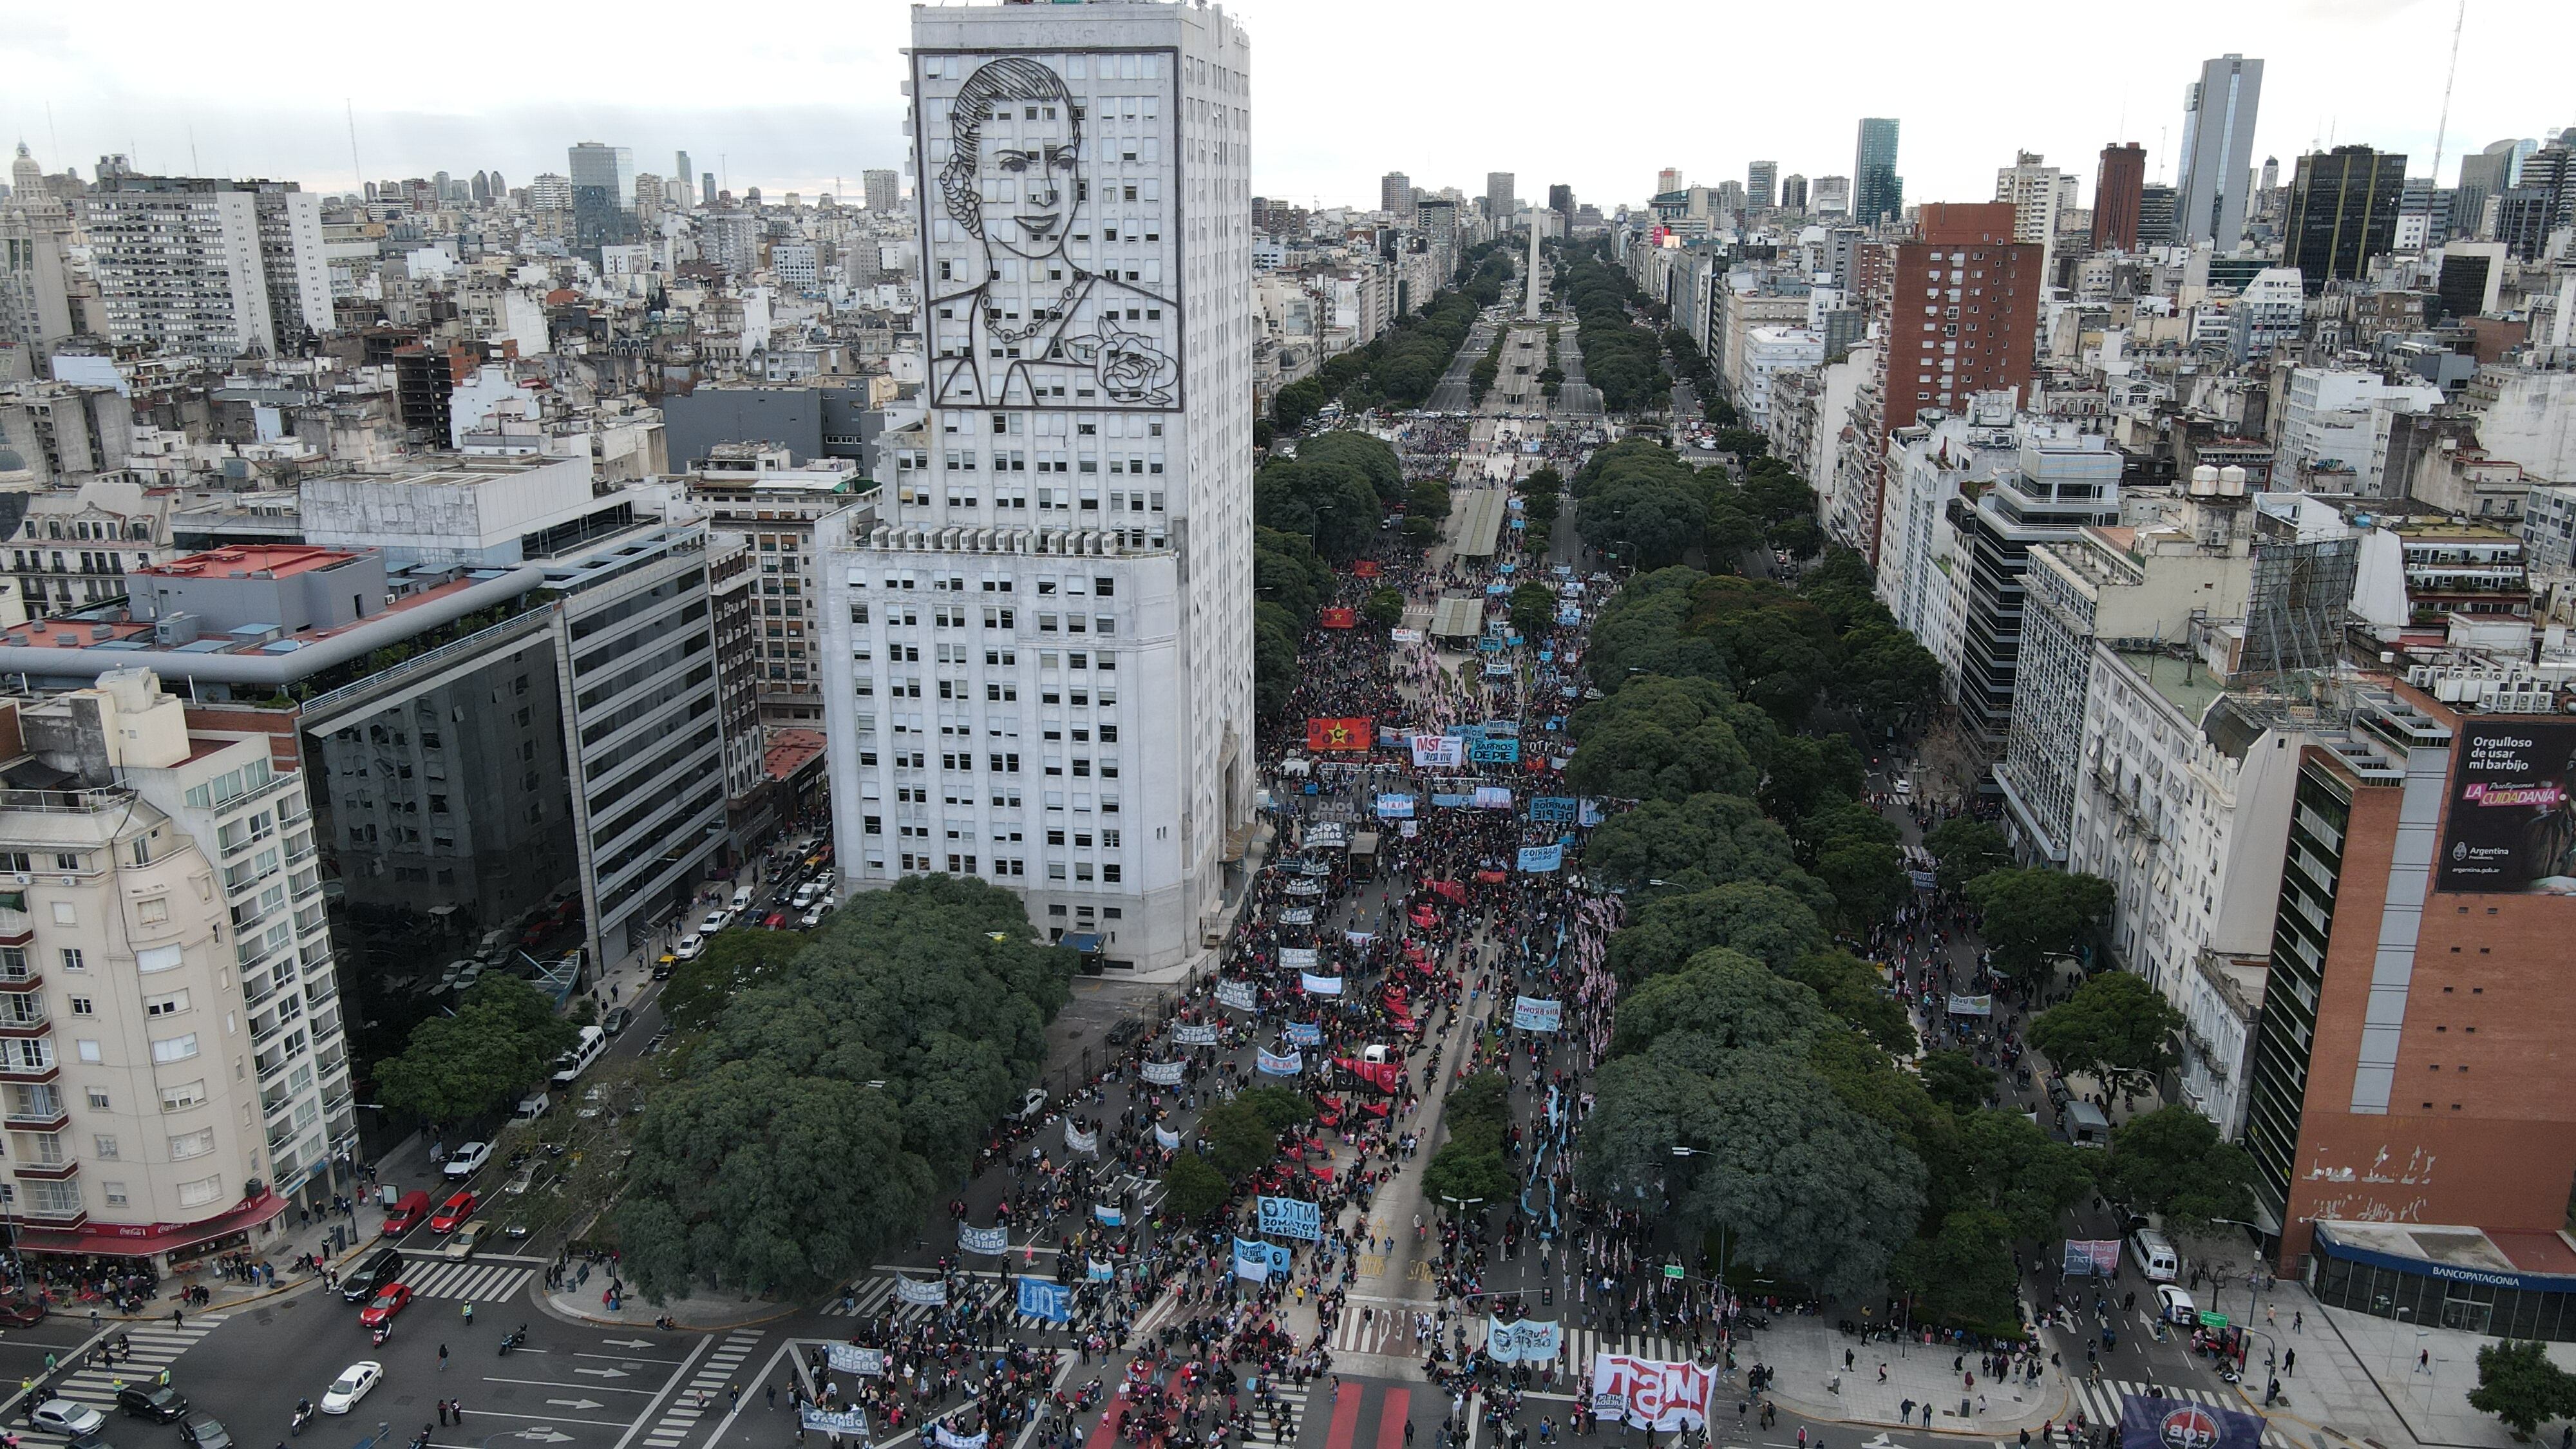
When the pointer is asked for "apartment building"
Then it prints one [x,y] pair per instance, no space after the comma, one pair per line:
[205,266]
[75,548]
[760,491]
[172,1057]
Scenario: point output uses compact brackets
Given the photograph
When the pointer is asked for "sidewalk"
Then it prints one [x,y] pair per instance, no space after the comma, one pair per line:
[697,1313]
[1807,1351]
[2357,1378]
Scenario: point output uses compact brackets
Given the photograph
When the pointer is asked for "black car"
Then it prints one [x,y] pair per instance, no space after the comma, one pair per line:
[158,1403]
[371,1277]
[201,1432]
[1125,1031]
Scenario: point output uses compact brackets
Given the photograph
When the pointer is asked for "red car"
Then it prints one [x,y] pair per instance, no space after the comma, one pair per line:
[386,1305]
[21,1313]
[452,1212]
[407,1213]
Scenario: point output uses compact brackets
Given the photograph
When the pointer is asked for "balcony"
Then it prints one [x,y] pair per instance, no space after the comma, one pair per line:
[23,1016]
[44,1171]
[53,1219]
[17,928]
[31,1073]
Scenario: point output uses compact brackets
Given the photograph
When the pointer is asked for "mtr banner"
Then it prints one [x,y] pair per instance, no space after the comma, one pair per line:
[1647,1393]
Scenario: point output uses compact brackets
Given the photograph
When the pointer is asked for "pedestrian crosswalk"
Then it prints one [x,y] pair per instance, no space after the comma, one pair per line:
[470,1281]
[711,1389]
[1392,1328]
[2100,1403]
[874,1296]
[156,1345]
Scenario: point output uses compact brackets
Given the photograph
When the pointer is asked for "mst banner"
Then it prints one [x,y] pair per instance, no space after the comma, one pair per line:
[1650,1393]
[2513,824]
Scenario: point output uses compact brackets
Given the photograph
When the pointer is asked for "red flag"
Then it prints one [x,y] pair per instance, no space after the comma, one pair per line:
[1449,890]
[1340,619]
[1350,732]
[1366,568]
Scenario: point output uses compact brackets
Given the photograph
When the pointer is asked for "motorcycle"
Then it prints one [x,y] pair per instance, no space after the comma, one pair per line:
[303,1416]
[378,1334]
[513,1339]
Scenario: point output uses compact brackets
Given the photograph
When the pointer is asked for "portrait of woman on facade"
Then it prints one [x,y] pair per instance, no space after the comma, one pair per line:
[1029,327]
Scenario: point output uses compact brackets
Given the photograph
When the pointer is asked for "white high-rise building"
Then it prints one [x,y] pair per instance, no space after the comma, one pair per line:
[2218,113]
[218,268]
[1037,645]
[884,191]
[2038,192]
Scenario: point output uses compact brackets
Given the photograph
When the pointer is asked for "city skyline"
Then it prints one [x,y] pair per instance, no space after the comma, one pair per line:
[177,109]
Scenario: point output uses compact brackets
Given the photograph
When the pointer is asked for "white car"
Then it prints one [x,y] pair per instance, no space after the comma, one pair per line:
[742,898]
[353,1384]
[717,920]
[2175,1306]
[467,1160]
[63,1416]
[1032,1105]
[689,948]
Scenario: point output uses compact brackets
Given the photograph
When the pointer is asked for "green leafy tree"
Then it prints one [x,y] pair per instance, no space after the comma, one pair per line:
[2032,917]
[501,1040]
[1962,1275]
[1241,1140]
[2519,1384]
[1472,1173]
[2116,1027]
[1765,922]
[1965,848]
[1956,1080]
[1723,999]
[2006,1163]
[830,1097]
[1810,774]
[1385,608]
[1660,738]
[1533,611]
[2171,1162]
[1371,456]
[1851,989]
[1706,840]
[1193,1188]
[698,990]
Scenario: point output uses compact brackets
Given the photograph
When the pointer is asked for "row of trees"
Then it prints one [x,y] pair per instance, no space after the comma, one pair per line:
[1242,1139]
[1652,508]
[839,1096]
[1400,366]
[1480,378]
[1621,358]
[1310,512]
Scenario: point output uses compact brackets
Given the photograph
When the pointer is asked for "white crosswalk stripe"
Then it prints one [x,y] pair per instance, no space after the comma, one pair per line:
[2101,1403]
[473,1282]
[707,1391]
[156,1347]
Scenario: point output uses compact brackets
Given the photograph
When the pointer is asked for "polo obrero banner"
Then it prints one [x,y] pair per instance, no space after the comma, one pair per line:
[2158,1423]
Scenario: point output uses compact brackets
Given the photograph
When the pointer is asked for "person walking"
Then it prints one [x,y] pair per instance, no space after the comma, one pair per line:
[469,1315]
[442,1358]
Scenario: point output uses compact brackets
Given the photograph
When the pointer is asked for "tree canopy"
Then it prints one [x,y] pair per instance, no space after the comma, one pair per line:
[2032,917]
[2116,1026]
[499,1043]
[776,1161]
[2170,1161]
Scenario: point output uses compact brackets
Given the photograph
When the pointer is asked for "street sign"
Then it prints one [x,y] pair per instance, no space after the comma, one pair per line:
[1672,1270]
[2212,1320]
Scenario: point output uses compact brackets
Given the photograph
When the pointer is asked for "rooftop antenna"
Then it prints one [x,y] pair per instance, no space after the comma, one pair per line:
[54,136]
[2442,129]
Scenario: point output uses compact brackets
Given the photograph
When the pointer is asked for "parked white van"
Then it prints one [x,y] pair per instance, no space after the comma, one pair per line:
[585,1051]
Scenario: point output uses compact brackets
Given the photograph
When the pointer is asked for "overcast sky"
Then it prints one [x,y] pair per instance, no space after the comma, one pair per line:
[796,94]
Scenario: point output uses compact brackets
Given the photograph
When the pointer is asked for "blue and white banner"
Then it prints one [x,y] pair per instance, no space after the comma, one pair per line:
[1541,859]
[1080,1141]
[1306,1033]
[924,1295]
[1238,995]
[1110,1215]
[1394,807]
[1298,958]
[1491,797]
[1167,1139]
[1588,814]
[1161,1074]
[849,1358]
[1042,1299]
[947,1438]
[1097,1270]
[1195,1034]
[816,1418]
[1320,985]
[1252,1261]
[983,1240]
[1297,916]
[1359,938]
[1446,801]
[1552,808]
[1288,1217]
[1528,1341]
[1273,1064]
[1495,752]
[1529,1013]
